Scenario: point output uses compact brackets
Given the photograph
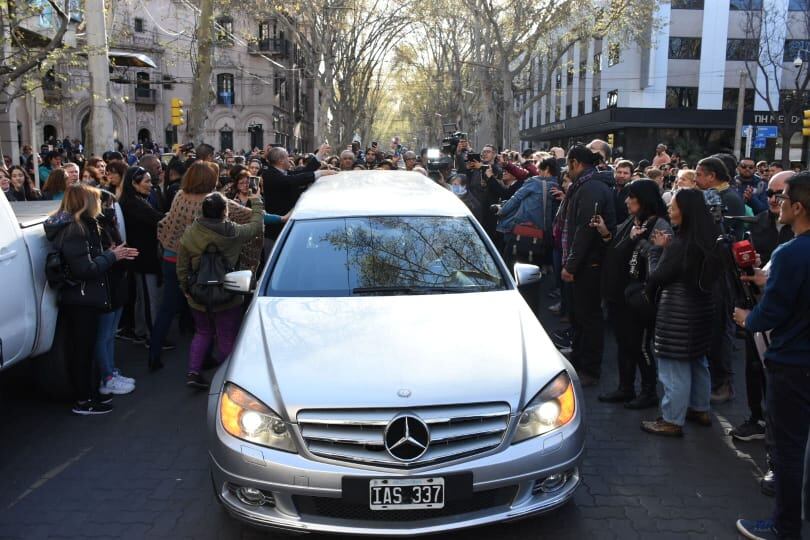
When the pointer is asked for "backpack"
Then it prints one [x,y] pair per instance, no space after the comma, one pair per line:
[206,285]
[57,273]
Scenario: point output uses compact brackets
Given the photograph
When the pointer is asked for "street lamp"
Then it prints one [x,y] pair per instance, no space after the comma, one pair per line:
[798,62]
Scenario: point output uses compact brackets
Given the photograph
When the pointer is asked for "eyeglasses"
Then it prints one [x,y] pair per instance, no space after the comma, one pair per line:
[747,166]
[774,192]
[783,197]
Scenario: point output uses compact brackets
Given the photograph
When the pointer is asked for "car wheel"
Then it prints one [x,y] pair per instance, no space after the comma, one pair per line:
[52,367]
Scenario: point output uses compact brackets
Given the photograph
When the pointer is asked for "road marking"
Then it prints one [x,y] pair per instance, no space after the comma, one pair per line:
[53,473]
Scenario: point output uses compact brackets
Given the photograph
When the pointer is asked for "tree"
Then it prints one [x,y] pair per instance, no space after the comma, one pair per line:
[766,69]
[519,31]
[25,52]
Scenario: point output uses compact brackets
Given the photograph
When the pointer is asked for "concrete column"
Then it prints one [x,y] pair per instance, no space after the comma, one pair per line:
[713,55]
[101,124]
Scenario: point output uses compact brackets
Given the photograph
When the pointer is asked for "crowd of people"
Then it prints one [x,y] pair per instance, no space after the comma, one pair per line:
[645,249]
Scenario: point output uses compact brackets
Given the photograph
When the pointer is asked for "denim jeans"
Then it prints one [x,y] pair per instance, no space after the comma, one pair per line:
[787,406]
[105,342]
[687,384]
[173,301]
[225,324]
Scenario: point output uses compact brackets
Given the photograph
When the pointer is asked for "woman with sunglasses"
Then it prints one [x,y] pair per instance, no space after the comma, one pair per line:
[141,220]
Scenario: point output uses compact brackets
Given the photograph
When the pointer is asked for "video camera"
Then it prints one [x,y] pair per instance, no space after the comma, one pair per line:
[739,259]
[437,162]
[450,142]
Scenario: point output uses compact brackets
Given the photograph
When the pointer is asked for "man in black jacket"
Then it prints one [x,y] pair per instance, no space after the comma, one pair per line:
[282,187]
[583,251]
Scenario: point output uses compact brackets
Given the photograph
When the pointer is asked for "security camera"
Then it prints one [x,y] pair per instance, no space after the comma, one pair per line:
[797,63]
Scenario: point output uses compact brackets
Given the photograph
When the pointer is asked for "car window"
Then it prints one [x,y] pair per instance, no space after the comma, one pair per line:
[383,255]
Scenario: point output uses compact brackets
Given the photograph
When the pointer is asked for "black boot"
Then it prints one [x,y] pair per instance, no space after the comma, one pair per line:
[647,399]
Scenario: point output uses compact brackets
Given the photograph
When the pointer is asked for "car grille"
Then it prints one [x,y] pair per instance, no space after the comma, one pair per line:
[340,509]
[357,435]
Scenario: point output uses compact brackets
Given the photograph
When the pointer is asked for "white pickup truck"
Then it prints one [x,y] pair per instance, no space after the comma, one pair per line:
[28,309]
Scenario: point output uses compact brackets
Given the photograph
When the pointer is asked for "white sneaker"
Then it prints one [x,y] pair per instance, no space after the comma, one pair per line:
[115,386]
[118,375]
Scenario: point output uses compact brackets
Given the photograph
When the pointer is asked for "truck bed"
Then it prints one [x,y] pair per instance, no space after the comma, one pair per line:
[32,213]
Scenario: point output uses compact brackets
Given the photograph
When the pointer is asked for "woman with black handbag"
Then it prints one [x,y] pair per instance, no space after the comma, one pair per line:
[625,271]
[75,232]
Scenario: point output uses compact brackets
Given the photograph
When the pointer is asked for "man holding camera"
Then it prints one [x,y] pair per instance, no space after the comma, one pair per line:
[784,310]
[590,194]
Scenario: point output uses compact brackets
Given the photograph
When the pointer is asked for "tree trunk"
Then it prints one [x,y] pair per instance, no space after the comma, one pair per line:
[198,111]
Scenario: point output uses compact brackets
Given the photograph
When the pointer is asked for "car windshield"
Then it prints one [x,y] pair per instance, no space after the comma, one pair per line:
[383,256]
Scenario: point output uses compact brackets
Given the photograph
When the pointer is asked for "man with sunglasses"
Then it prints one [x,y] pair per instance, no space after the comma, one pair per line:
[750,186]
[766,234]
[784,310]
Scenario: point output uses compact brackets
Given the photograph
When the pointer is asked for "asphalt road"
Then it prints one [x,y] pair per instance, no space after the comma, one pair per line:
[142,472]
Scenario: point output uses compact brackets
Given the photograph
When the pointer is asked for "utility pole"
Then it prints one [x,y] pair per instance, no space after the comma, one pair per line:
[199,89]
[740,113]
[101,125]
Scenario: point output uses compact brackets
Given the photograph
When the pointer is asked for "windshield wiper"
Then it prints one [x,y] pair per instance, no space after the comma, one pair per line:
[412,290]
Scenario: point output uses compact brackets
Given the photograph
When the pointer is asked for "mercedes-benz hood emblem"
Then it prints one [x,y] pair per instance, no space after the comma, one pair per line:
[407,438]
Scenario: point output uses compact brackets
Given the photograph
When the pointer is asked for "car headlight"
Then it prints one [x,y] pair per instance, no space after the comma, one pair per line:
[552,407]
[244,416]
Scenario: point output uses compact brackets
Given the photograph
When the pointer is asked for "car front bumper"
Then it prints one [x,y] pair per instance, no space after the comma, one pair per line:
[307,493]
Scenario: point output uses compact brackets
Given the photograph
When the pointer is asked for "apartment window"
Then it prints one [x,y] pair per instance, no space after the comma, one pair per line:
[568,111]
[225,89]
[225,30]
[569,76]
[581,107]
[548,115]
[612,98]
[682,97]
[138,25]
[558,80]
[614,54]
[583,69]
[596,102]
[792,48]
[684,48]
[687,4]
[745,5]
[799,5]
[730,98]
[742,49]
[597,62]
[168,82]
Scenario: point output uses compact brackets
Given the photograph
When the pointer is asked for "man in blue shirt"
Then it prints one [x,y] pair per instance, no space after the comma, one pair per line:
[785,310]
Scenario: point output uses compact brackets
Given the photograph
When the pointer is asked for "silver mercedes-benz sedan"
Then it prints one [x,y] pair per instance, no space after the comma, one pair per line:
[389,379]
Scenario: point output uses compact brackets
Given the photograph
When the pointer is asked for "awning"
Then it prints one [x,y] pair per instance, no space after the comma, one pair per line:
[130,59]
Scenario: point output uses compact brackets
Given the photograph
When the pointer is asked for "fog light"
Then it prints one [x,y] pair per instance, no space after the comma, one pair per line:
[254,497]
[550,484]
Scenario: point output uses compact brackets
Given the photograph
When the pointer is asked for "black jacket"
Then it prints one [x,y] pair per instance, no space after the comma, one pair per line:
[87,263]
[141,221]
[683,325]
[621,204]
[117,275]
[585,247]
[765,236]
[281,191]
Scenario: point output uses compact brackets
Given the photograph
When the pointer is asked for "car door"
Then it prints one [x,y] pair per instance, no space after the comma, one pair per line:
[17,311]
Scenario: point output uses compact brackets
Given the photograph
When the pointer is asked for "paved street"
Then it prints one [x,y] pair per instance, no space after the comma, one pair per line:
[141,472]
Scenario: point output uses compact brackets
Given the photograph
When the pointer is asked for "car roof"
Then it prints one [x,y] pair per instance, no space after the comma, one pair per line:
[377,193]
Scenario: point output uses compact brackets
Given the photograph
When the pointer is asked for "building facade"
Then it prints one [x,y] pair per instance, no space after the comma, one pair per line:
[259,94]
[680,89]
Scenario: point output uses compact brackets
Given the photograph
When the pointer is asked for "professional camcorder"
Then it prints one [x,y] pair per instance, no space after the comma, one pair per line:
[450,143]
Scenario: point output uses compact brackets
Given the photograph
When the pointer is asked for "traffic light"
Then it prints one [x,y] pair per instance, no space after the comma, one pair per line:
[806,123]
[178,114]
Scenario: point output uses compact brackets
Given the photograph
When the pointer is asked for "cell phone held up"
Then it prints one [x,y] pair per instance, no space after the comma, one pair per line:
[253,184]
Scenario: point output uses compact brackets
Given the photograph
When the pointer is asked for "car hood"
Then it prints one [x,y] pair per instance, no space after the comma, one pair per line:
[361,352]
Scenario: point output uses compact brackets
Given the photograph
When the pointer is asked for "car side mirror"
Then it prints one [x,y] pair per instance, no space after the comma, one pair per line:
[239,282]
[526,274]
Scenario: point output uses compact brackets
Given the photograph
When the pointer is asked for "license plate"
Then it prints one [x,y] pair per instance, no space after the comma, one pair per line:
[406,494]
